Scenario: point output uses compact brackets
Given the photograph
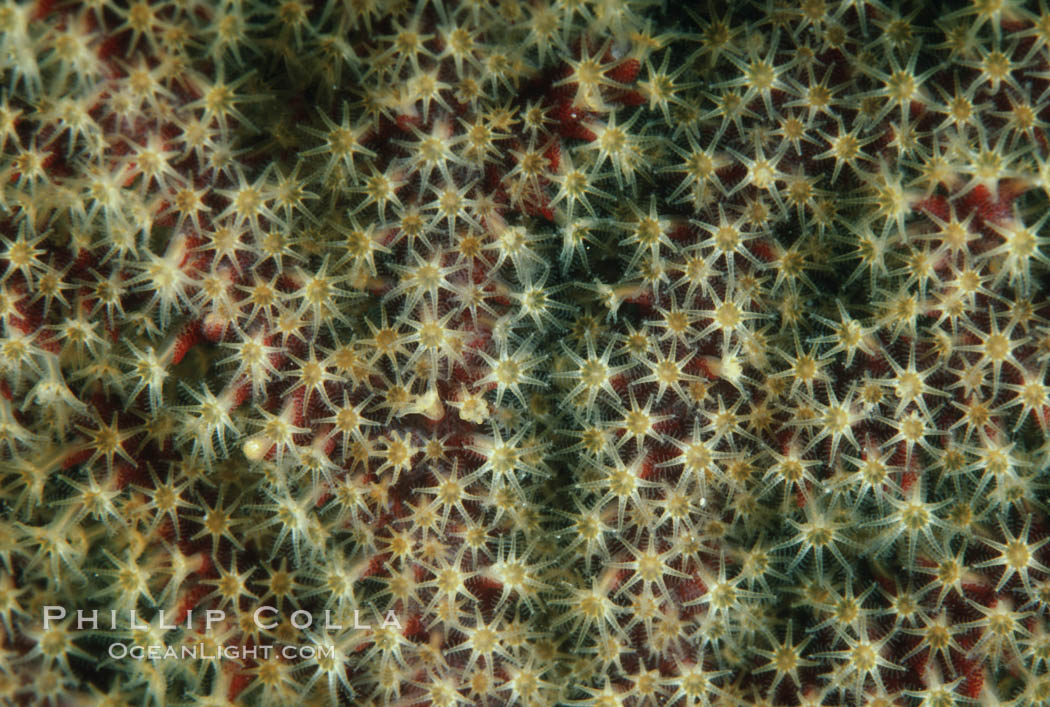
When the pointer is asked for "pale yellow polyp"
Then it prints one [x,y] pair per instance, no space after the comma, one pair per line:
[257,447]
[428,404]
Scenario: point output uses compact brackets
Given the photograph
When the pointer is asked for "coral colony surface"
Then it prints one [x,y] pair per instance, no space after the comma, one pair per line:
[539,352]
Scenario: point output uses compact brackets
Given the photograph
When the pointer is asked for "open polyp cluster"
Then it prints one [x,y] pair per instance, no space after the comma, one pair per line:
[625,355]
